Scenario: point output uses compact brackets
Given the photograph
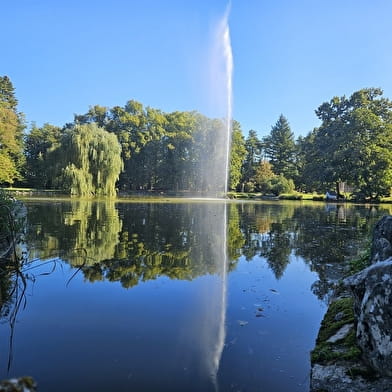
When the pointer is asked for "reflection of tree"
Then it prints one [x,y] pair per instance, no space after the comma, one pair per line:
[83,232]
[276,248]
[6,286]
[268,233]
[235,238]
[321,229]
[325,236]
[181,241]
[328,236]
[135,242]
[96,227]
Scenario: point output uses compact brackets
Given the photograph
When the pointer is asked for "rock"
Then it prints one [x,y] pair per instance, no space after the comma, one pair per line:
[22,384]
[372,289]
[336,378]
[341,334]
[339,316]
[382,240]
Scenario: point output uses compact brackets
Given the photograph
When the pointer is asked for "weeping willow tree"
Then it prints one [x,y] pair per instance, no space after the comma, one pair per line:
[90,161]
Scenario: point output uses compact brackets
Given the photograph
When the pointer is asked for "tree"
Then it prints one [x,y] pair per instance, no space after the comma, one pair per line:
[307,179]
[39,143]
[90,161]
[353,143]
[237,155]
[11,134]
[253,147]
[262,176]
[280,148]
[7,94]
[169,151]
[266,181]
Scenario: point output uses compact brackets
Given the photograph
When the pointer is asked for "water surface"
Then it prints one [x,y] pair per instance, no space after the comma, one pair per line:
[176,296]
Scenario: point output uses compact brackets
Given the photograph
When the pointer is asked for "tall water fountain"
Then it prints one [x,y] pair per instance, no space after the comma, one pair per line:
[222,73]
[214,160]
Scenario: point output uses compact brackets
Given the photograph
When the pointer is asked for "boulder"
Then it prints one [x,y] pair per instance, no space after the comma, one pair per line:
[382,240]
[372,290]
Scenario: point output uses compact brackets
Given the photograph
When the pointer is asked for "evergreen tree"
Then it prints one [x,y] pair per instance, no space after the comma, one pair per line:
[253,146]
[280,148]
[7,94]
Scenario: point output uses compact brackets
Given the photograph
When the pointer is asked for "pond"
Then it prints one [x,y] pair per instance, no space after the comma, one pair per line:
[175,296]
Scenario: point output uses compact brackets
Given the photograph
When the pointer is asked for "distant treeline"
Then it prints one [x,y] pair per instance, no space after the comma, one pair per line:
[134,148]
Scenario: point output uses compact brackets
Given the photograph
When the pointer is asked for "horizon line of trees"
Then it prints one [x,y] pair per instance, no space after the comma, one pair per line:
[134,148]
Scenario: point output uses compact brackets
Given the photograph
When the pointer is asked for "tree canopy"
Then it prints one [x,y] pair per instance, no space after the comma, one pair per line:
[90,161]
[353,143]
[280,148]
[138,148]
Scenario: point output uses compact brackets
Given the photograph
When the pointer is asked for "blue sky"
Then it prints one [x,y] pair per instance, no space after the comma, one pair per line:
[289,56]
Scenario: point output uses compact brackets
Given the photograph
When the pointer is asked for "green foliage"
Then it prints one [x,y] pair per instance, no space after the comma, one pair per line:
[267,182]
[252,160]
[11,134]
[90,161]
[280,184]
[40,165]
[5,208]
[280,149]
[8,170]
[178,151]
[7,94]
[352,144]
[237,155]
[291,196]
[262,176]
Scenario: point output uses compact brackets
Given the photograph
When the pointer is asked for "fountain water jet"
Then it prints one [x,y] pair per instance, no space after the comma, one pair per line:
[214,161]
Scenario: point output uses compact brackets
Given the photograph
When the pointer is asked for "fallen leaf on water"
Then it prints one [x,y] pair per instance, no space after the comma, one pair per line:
[242,323]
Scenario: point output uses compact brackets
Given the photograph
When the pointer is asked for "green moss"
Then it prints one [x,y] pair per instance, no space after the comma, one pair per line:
[340,312]
[329,325]
[362,262]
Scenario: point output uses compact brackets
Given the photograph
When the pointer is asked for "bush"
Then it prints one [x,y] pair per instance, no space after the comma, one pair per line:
[280,184]
[291,196]
[318,198]
[249,186]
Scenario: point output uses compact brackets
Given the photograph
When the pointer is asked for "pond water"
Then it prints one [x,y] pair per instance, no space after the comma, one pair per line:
[174,296]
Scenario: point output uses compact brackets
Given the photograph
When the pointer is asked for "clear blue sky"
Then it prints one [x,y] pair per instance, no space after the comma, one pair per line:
[289,56]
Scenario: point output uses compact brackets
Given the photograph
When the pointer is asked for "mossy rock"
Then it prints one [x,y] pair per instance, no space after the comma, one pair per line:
[339,313]
[22,384]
